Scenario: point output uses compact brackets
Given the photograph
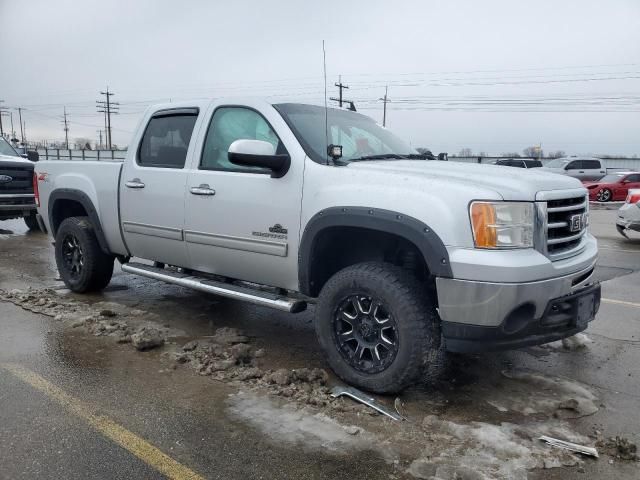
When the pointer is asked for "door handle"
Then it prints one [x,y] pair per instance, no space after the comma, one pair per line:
[203,189]
[135,183]
[581,171]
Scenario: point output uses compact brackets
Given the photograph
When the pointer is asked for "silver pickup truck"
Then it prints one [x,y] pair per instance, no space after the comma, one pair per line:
[284,205]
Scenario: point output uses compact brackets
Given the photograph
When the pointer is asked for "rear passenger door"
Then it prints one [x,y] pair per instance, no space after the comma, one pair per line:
[152,188]
[592,170]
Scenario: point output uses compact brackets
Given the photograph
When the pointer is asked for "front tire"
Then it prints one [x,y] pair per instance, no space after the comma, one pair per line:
[604,195]
[82,264]
[32,222]
[377,327]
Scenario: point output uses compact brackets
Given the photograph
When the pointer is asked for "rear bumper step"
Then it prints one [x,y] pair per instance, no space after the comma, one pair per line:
[258,297]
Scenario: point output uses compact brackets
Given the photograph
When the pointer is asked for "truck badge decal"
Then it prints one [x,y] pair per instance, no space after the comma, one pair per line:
[5,179]
[277,231]
[277,228]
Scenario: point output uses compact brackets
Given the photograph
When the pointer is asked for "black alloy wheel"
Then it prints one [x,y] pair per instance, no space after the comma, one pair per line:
[72,256]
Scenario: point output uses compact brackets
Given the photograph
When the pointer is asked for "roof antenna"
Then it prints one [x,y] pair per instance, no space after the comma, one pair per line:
[326,110]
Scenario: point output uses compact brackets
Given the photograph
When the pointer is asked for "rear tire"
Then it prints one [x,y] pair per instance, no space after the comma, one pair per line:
[32,222]
[377,327]
[82,264]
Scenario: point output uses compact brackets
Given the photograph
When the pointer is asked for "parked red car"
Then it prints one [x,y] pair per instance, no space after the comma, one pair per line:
[613,186]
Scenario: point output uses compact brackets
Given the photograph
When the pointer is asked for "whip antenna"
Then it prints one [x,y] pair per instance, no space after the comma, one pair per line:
[326,110]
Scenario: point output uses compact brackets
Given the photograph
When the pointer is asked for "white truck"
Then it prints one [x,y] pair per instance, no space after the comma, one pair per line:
[284,205]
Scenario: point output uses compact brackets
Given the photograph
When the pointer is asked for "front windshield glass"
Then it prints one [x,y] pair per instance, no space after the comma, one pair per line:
[612,178]
[358,134]
[6,149]
[557,163]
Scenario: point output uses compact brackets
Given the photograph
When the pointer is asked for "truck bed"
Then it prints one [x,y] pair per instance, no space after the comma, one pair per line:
[97,180]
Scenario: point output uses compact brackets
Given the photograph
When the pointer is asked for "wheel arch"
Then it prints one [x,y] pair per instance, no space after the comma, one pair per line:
[67,202]
[373,225]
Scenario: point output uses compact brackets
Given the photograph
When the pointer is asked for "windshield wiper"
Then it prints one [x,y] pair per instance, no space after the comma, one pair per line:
[383,156]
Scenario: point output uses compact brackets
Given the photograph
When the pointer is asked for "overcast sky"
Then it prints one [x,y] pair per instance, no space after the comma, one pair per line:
[494,76]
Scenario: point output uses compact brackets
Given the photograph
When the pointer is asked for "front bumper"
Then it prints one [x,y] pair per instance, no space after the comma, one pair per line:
[479,315]
[16,205]
[562,317]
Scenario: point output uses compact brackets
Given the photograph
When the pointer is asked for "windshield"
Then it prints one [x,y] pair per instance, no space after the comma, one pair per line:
[557,163]
[612,178]
[359,136]
[6,149]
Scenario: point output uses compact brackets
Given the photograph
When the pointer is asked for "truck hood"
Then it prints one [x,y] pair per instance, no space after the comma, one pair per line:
[509,183]
[14,160]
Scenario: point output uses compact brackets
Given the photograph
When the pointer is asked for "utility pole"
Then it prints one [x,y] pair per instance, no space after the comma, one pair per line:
[1,113]
[108,107]
[66,129]
[21,125]
[100,143]
[341,86]
[384,99]
[13,132]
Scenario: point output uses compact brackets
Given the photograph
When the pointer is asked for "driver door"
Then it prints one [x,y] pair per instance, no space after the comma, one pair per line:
[239,221]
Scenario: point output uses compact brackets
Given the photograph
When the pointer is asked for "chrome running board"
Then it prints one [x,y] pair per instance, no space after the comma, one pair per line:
[257,297]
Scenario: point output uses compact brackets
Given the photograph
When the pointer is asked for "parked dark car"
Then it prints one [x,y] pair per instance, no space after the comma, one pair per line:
[519,162]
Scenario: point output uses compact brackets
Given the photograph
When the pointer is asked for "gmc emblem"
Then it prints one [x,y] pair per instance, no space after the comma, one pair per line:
[5,179]
[577,222]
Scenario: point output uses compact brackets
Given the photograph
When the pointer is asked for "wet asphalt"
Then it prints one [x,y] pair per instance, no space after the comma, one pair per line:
[185,415]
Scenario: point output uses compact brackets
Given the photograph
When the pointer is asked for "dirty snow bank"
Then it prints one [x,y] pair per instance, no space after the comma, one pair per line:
[301,426]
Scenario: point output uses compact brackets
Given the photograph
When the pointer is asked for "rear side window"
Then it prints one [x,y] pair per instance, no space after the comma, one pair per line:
[591,164]
[533,163]
[166,140]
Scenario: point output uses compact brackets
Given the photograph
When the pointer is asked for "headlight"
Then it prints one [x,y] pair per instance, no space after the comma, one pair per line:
[502,224]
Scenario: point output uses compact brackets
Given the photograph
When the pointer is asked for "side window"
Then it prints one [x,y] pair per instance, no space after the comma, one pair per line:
[166,140]
[633,178]
[593,164]
[575,165]
[228,125]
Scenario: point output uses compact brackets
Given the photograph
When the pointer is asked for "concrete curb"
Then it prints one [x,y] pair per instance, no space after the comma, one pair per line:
[605,205]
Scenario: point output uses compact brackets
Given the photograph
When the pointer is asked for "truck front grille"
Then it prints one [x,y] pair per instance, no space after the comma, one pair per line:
[22,180]
[566,225]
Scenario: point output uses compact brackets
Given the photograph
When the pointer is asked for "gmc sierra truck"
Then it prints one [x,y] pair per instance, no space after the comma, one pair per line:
[288,204]
[16,186]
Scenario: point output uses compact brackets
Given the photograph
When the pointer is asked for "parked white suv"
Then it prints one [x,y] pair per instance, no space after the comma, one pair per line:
[288,204]
[583,168]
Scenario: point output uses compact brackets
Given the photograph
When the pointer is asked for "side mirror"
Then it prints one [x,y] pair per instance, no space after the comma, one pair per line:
[33,155]
[258,153]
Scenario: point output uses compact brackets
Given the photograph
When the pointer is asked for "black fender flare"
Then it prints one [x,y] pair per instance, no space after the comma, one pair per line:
[84,200]
[420,234]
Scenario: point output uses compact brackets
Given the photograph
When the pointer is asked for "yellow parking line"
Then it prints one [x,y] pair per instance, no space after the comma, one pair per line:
[621,302]
[118,434]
